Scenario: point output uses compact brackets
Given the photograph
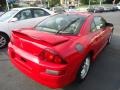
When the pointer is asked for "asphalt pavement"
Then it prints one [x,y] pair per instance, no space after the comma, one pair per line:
[104,73]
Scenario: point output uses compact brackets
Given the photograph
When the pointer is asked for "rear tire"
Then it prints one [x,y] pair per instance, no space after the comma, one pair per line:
[84,69]
[4,39]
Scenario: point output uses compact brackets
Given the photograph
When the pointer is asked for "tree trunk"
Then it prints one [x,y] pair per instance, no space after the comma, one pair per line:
[114,2]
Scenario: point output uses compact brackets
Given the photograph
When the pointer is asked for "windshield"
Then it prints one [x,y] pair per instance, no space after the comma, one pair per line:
[62,23]
[7,15]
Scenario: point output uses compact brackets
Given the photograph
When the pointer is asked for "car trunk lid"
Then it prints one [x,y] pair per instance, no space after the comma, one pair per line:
[34,41]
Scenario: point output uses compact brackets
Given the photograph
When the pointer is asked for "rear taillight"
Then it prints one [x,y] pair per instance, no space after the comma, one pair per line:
[51,56]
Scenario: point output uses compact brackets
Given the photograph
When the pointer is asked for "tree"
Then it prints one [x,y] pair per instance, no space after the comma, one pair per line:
[111,1]
[85,1]
[91,1]
[2,2]
[54,2]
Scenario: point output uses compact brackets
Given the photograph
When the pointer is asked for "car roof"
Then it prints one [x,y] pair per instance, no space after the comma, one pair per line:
[22,8]
[86,14]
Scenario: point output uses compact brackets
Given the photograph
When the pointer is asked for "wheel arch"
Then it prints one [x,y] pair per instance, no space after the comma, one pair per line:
[5,34]
[91,53]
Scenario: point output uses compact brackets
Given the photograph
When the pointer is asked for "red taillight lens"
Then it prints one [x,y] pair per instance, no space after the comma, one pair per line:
[48,56]
[57,59]
[51,56]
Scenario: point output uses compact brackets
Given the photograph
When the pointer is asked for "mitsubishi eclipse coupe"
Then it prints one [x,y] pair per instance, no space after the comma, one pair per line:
[60,49]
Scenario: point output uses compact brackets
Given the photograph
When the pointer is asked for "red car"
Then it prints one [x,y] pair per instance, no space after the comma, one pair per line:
[60,48]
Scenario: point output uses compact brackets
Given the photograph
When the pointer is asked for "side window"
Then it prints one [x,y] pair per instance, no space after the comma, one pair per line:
[103,22]
[99,22]
[93,27]
[39,13]
[25,14]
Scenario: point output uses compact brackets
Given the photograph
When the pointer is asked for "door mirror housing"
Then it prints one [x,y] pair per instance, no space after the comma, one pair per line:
[110,25]
[13,20]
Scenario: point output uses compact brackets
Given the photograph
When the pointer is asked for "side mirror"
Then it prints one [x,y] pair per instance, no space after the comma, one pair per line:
[110,25]
[13,20]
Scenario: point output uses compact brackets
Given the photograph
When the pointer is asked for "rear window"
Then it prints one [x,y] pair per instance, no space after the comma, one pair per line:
[66,23]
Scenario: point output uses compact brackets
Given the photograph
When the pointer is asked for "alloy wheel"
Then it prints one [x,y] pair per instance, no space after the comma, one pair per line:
[85,68]
[2,41]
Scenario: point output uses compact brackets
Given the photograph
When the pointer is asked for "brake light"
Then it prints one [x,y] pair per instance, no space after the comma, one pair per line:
[57,59]
[50,56]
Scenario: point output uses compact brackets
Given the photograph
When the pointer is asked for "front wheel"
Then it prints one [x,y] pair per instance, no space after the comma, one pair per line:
[82,73]
[110,38]
[4,39]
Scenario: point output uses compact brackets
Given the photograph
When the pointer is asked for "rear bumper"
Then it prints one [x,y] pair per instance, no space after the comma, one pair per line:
[36,70]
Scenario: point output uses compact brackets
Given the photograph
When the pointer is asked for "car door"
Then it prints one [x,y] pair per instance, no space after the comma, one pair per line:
[104,30]
[24,19]
[97,33]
